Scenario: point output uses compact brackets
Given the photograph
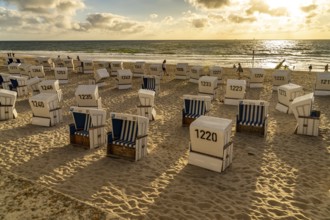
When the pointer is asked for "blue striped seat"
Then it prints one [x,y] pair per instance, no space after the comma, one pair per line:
[82,124]
[252,116]
[149,83]
[125,132]
[194,108]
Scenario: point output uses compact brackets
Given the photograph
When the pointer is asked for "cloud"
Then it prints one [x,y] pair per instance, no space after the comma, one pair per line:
[209,4]
[110,22]
[153,16]
[199,22]
[263,8]
[309,8]
[168,20]
[240,19]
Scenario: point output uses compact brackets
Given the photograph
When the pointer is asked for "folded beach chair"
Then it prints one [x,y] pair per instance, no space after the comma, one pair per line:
[69,64]
[7,104]
[257,76]
[33,85]
[217,71]
[151,83]
[61,74]
[146,106]
[252,116]
[88,129]
[194,106]
[208,85]
[5,81]
[196,72]
[46,109]
[182,71]
[281,77]
[128,138]
[47,63]
[210,143]
[139,69]
[286,94]
[88,66]
[19,84]
[13,68]
[235,91]
[124,79]
[156,70]
[88,96]
[51,86]
[100,77]
[308,120]
[24,69]
[115,66]
[37,71]
[322,84]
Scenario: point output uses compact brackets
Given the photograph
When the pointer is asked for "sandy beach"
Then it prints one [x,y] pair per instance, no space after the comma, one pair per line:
[281,176]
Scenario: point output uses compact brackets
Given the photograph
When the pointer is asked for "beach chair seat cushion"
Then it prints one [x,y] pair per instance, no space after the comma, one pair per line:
[192,110]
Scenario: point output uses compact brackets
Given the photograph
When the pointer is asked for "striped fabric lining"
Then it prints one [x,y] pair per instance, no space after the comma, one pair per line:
[251,115]
[128,134]
[149,83]
[194,108]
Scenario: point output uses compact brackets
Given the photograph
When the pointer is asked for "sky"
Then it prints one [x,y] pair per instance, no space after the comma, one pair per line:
[163,19]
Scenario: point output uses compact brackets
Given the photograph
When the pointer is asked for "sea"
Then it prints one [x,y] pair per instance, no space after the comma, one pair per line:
[298,54]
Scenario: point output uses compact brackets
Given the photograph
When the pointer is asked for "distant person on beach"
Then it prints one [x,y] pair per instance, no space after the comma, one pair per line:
[326,68]
[310,68]
[78,58]
[234,66]
[164,67]
[239,70]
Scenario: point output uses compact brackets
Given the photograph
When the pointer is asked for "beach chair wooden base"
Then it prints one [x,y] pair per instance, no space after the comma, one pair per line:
[125,86]
[187,121]
[210,162]
[308,125]
[63,81]
[79,141]
[119,151]
[283,108]
[322,93]
[7,112]
[256,85]
[229,101]
[192,80]
[262,131]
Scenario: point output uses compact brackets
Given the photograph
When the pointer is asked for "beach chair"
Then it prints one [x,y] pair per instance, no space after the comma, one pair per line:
[47,63]
[51,86]
[61,74]
[194,106]
[252,116]
[124,79]
[69,64]
[19,84]
[58,62]
[128,138]
[7,104]
[24,70]
[151,83]
[37,71]
[115,66]
[207,86]
[13,68]
[88,66]
[102,65]
[139,69]
[100,77]
[88,129]
[322,84]
[235,91]
[46,109]
[5,81]
[9,60]
[182,71]
[146,106]
[210,143]
[33,85]
[308,120]
[286,94]
[88,96]
[281,77]
[257,76]
[195,73]
[217,71]
[156,70]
